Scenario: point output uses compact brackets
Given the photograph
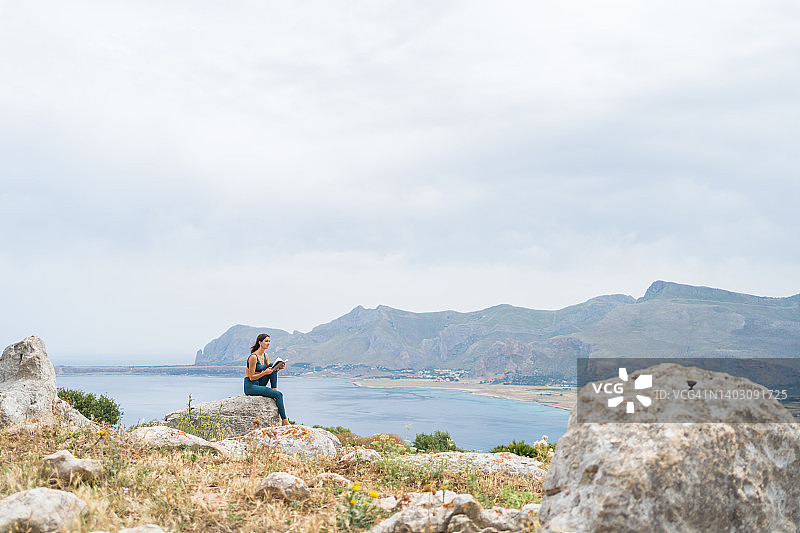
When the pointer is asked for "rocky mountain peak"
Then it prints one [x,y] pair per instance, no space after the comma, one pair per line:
[667,290]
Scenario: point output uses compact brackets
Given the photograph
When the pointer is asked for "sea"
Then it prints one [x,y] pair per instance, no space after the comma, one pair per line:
[474,422]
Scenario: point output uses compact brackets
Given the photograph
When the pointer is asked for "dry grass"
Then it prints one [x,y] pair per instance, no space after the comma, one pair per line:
[181,490]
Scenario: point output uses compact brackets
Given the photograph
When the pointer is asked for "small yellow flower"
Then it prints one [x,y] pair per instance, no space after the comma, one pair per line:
[373,494]
[352,502]
[357,488]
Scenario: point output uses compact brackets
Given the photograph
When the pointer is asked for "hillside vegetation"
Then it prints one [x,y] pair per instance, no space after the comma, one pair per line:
[189,491]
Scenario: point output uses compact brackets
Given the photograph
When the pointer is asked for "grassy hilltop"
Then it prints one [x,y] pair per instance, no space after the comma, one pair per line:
[187,491]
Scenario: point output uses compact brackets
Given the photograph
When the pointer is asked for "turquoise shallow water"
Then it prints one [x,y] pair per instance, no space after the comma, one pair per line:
[474,422]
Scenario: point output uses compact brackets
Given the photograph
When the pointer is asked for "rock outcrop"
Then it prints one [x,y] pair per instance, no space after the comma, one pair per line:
[167,437]
[285,486]
[506,462]
[69,469]
[361,455]
[41,510]
[28,391]
[239,414]
[461,513]
[296,440]
[689,477]
[292,440]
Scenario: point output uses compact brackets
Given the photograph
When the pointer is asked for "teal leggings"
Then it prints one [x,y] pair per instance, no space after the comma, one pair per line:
[259,388]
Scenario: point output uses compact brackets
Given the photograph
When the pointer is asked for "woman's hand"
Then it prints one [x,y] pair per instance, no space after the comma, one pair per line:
[268,370]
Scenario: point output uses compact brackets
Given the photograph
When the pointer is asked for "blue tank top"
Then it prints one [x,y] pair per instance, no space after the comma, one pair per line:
[259,367]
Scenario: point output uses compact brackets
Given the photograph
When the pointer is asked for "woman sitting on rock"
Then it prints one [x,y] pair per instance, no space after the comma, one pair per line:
[259,373]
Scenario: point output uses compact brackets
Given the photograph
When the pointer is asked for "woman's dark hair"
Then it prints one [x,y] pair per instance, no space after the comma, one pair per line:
[261,337]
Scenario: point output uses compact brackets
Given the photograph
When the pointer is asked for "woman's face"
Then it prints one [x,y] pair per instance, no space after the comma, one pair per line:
[265,343]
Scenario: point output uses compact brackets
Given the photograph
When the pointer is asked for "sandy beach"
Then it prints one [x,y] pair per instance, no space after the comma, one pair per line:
[561,397]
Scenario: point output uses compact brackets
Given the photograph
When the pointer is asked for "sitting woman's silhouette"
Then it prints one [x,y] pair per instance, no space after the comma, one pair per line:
[258,373]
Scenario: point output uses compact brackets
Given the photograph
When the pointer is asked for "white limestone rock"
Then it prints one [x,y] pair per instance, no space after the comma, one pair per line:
[295,440]
[285,486]
[167,437]
[427,499]
[389,503]
[690,477]
[461,514]
[40,510]
[361,455]
[485,462]
[67,468]
[239,414]
[28,391]
[234,447]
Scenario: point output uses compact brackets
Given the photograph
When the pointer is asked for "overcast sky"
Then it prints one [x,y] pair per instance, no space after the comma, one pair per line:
[170,169]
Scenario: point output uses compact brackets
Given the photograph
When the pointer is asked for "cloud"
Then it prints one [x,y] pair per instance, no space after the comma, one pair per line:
[170,170]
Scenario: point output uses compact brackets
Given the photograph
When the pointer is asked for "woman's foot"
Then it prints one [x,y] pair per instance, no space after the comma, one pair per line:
[285,422]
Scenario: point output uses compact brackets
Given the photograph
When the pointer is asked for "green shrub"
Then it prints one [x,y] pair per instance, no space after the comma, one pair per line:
[541,451]
[98,408]
[439,441]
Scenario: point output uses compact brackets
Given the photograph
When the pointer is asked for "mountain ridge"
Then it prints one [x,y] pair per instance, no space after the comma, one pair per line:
[517,343]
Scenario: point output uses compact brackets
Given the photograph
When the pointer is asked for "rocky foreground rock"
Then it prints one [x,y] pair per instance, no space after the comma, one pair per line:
[459,514]
[28,392]
[296,440]
[285,486]
[70,469]
[504,462]
[167,437]
[691,477]
[41,510]
[237,414]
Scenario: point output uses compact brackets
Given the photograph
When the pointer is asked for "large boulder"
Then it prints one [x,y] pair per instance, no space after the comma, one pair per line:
[70,469]
[167,437]
[284,486]
[28,391]
[237,414]
[693,476]
[41,510]
[296,440]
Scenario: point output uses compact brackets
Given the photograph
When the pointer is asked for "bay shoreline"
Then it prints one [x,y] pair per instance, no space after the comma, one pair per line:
[561,397]
[558,396]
